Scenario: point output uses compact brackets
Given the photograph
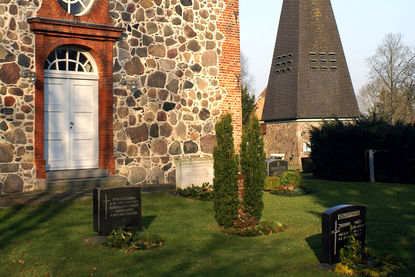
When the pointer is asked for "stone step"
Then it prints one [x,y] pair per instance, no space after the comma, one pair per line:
[81,184]
[58,175]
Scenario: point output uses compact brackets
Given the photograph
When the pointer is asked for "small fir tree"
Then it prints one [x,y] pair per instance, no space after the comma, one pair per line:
[253,166]
[225,182]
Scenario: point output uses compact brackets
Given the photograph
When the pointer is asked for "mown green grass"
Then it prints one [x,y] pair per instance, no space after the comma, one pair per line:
[48,239]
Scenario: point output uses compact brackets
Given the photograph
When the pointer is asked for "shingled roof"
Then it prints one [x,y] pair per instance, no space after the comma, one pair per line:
[309,78]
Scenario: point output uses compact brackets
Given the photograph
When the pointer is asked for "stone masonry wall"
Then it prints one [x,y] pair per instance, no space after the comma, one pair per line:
[175,51]
[287,138]
[183,56]
[17,170]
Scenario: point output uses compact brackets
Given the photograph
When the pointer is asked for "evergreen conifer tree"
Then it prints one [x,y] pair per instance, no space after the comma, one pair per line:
[253,166]
[225,182]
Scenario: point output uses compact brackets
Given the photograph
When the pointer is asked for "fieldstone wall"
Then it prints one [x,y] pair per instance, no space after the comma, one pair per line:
[171,50]
[17,170]
[287,138]
[183,58]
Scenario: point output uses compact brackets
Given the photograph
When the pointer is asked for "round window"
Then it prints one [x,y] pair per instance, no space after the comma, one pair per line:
[76,7]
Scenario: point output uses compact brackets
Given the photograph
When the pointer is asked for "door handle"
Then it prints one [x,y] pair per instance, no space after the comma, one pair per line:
[71,125]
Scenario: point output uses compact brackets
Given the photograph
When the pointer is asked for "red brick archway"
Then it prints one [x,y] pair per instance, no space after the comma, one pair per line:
[93,32]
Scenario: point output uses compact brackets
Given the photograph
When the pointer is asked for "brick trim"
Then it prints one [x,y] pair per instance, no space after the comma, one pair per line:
[230,66]
[97,14]
[98,40]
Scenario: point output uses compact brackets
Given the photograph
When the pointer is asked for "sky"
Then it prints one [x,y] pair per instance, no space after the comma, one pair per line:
[362,25]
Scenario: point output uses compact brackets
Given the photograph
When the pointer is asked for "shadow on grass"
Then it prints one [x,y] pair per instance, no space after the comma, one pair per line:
[146,221]
[43,207]
[390,221]
[315,244]
[29,222]
[202,261]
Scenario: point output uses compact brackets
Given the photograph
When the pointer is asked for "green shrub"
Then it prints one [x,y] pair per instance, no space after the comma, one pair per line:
[133,239]
[289,191]
[253,167]
[247,226]
[225,181]
[339,150]
[205,192]
[272,183]
[291,179]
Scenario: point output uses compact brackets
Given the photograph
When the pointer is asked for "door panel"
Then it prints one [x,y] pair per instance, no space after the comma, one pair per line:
[56,123]
[84,116]
[71,123]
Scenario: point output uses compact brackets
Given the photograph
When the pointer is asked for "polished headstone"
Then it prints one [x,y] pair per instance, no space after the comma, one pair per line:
[114,208]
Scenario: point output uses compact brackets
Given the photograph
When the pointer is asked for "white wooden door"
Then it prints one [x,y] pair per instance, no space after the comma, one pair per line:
[71,123]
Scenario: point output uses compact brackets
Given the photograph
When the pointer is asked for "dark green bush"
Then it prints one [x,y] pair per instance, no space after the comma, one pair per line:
[339,150]
[225,181]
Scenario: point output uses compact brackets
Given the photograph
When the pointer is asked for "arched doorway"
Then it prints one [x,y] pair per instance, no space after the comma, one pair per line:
[71,139]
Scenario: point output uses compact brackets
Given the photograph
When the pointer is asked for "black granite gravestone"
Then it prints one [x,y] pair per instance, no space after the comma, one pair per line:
[116,207]
[276,168]
[336,224]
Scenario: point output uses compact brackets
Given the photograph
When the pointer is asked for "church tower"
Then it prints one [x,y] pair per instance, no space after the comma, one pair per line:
[309,79]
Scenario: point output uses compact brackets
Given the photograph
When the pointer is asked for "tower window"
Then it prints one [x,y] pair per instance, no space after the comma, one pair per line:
[284,63]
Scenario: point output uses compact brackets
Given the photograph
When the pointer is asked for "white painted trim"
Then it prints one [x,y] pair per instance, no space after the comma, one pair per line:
[69,3]
[70,75]
[79,51]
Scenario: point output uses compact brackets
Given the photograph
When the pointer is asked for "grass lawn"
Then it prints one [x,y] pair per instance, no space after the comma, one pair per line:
[48,240]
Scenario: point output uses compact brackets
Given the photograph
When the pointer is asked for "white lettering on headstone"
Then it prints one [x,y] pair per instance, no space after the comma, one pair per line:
[348,215]
[123,206]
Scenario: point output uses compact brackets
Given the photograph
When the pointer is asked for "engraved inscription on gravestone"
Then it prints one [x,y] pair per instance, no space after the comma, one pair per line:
[336,224]
[193,171]
[275,167]
[116,207]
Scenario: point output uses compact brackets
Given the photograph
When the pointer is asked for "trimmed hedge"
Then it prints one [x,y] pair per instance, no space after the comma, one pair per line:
[339,150]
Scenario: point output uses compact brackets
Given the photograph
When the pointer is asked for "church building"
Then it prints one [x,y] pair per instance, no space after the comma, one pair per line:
[309,81]
[123,88]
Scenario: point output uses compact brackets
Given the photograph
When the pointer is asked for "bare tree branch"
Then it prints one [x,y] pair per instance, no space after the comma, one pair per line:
[389,91]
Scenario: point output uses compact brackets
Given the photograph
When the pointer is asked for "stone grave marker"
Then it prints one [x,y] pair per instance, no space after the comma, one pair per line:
[116,207]
[336,223]
[276,167]
[194,171]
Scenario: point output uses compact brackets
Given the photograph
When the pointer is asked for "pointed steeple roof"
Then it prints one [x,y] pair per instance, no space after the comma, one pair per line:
[309,78]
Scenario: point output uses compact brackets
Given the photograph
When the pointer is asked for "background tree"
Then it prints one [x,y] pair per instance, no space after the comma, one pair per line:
[225,182]
[389,92]
[248,105]
[247,80]
[253,167]
[248,99]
